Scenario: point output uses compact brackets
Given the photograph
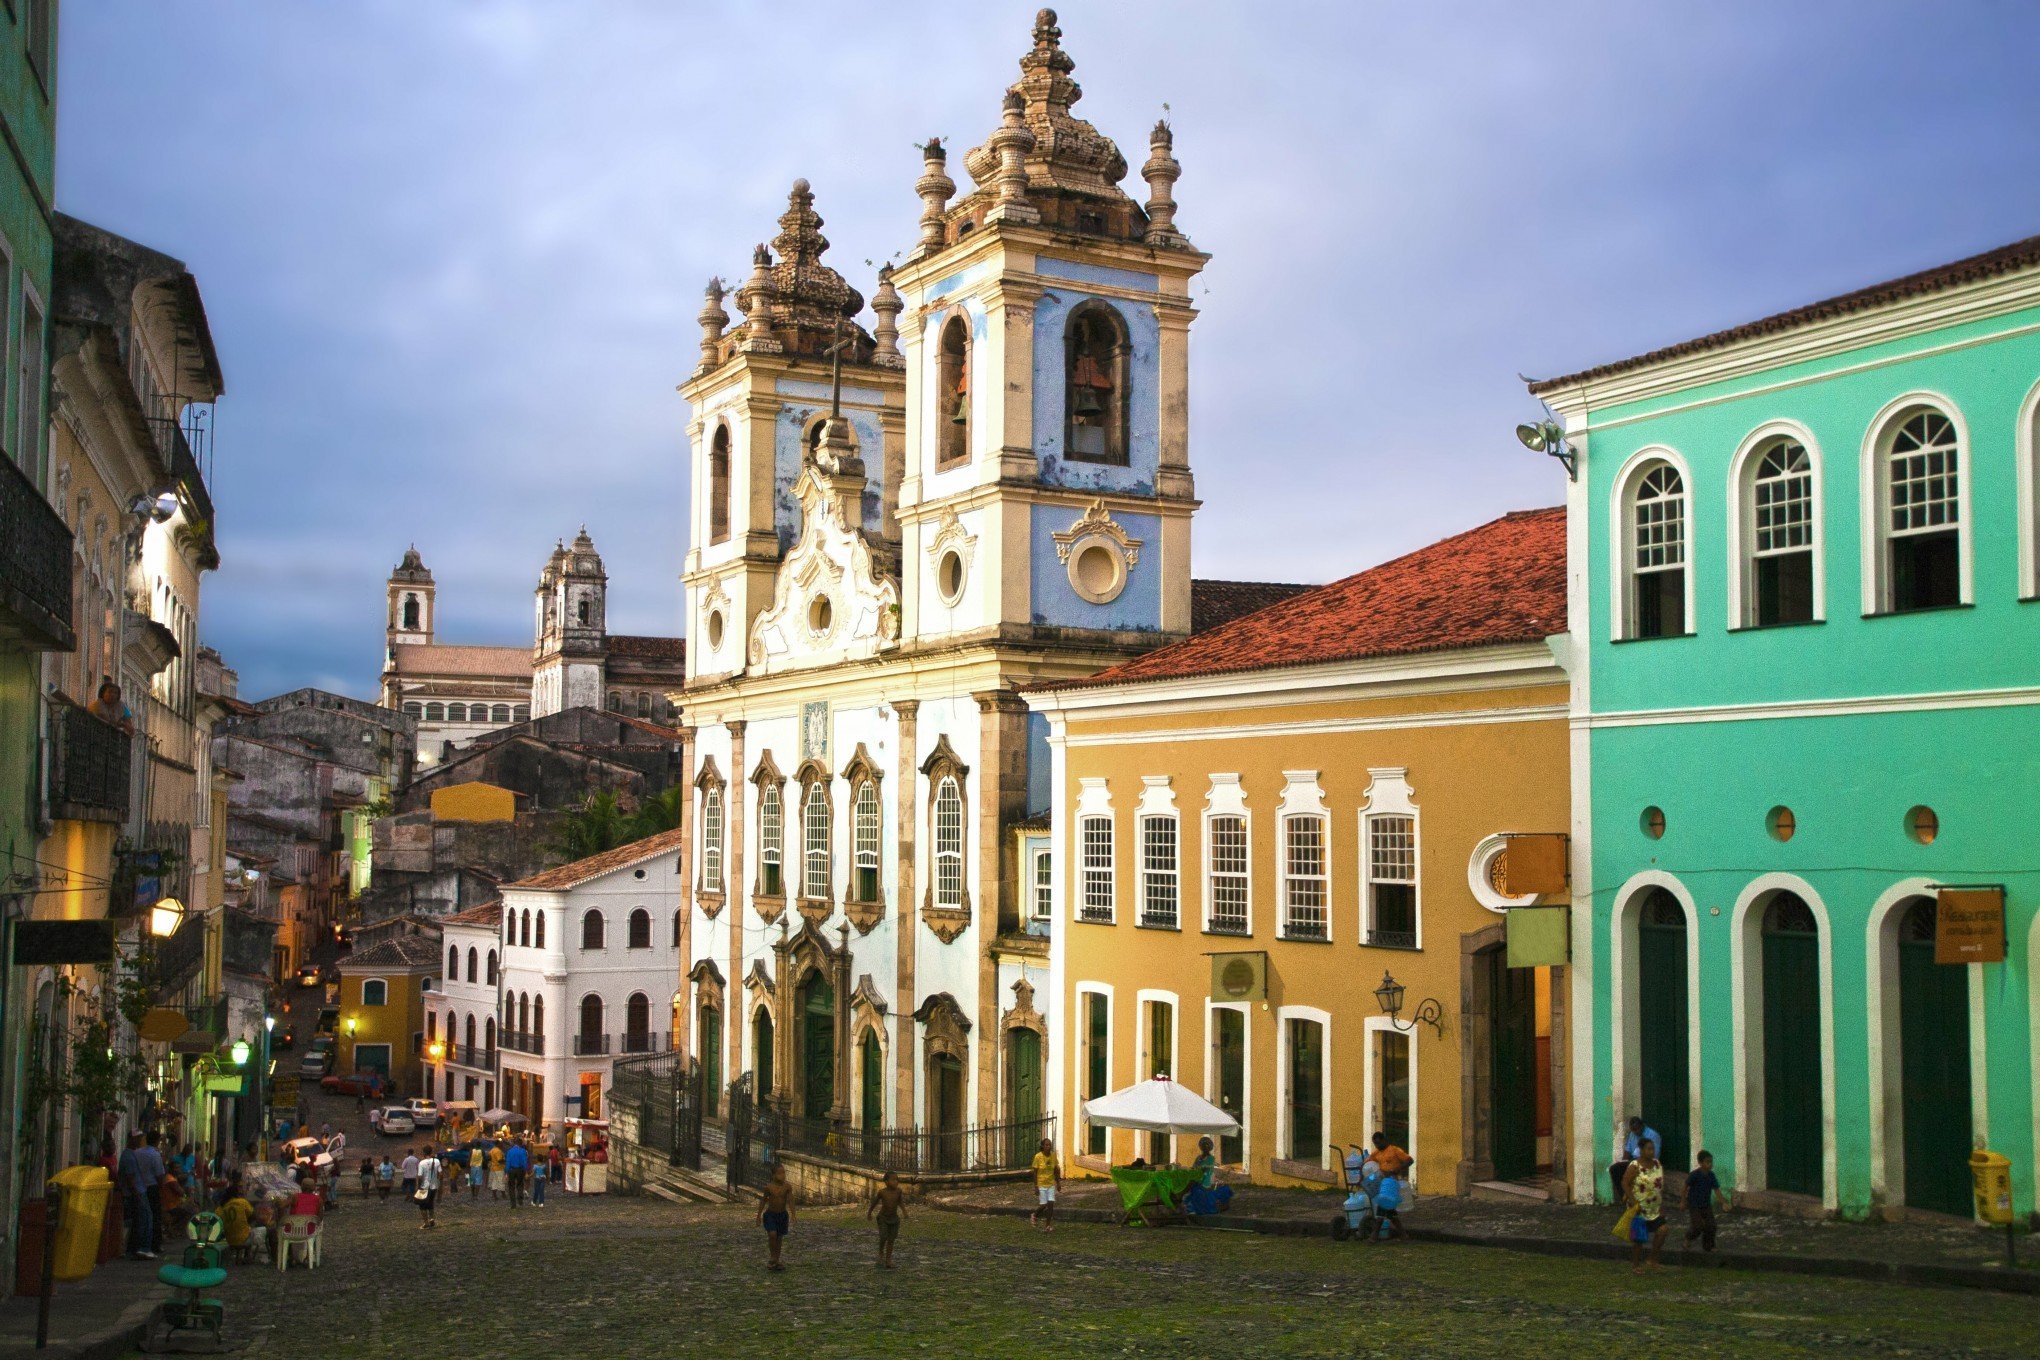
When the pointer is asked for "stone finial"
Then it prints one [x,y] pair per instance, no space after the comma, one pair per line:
[756,300]
[935,187]
[836,454]
[714,321]
[1011,143]
[887,305]
[1161,172]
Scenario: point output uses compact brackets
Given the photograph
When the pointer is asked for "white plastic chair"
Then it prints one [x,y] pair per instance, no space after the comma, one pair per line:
[299,1234]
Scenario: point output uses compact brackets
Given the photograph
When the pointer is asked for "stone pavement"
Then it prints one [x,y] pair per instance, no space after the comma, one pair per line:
[1930,1249]
[91,1319]
[634,1277]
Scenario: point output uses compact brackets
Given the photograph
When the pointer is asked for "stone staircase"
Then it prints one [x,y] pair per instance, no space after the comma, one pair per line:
[1529,1190]
[678,1185]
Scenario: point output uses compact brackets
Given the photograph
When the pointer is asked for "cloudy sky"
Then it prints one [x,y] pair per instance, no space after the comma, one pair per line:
[452,249]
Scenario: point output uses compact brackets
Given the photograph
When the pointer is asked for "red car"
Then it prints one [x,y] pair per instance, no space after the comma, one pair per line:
[357,1084]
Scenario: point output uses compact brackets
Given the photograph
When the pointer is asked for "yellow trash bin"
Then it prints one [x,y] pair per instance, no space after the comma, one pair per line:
[1991,1175]
[81,1216]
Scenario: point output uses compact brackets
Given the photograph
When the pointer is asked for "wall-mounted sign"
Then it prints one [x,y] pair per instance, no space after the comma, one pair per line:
[52,942]
[1969,926]
[1534,862]
[1239,977]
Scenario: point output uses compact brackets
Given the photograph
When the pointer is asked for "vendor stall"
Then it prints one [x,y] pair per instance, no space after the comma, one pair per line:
[587,1156]
[1157,1105]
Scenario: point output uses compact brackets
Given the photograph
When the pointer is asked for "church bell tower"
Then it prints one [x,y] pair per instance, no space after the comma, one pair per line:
[411,595]
[572,651]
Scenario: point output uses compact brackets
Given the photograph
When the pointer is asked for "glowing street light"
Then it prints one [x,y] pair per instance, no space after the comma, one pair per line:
[165,917]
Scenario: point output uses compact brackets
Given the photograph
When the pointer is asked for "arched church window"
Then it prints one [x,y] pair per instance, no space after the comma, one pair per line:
[581,613]
[414,710]
[615,702]
[500,713]
[719,484]
[410,613]
[456,712]
[523,713]
[435,713]
[952,393]
[1095,384]
[644,705]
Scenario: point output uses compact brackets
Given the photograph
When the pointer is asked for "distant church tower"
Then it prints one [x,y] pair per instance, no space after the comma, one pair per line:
[1047,483]
[572,651]
[410,600]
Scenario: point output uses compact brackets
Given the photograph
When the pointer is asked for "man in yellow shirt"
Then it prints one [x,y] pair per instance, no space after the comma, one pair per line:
[235,1217]
[1047,1182]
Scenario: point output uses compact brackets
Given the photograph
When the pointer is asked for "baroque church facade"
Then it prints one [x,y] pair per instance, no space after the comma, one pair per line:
[894,532]
[459,691]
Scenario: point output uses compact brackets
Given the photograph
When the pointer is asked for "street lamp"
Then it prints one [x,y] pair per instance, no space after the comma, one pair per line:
[240,1052]
[1389,996]
[1546,436]
[435,1050]
[350,1027]
[262,1088]
[165,917]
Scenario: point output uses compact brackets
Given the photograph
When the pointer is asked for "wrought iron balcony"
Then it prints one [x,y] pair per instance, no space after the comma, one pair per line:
[586,1045]
[35,566]
[522,1043]
[91,768]
[643,1041]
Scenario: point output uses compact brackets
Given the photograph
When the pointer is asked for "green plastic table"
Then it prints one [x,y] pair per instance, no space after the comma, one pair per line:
[1140,1187]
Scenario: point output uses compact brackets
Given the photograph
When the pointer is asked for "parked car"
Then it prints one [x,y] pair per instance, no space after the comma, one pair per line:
[308,975]
[353,1084]
[316,1063]
[322,1042]
[391,1120]
[424,1113]
[285,1037]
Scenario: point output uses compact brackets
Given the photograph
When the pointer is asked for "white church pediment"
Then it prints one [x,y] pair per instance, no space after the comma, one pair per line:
[830,602]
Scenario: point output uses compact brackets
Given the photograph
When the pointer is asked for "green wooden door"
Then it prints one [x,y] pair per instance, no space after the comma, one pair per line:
[1023,1075]
[1512,1090]
[1095,1037]
[1661,1016]
[1933,1026]
[761,1052]
[817,1047]
[1793,1109]
[1232,1080]
[946,1098]
[871,1096]
[711,1055]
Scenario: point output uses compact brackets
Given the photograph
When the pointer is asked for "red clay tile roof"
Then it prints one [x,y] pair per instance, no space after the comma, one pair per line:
[489,913]
[656,648]
[622,857]
[399,951]
[443,658]
[1992,263]
[1216,602]
[1501,583]
[646,725]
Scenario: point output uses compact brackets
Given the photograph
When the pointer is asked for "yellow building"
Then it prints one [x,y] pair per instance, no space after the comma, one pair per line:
[382,1009]
[1257,827]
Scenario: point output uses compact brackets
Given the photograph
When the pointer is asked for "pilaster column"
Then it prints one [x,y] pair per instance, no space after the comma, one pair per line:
[906,911]
[683,1014]
[1001,801]
[733,879]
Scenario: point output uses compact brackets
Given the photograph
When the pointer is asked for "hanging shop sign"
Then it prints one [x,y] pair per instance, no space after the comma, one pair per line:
[1539,937]
[53,942]
[1969,926]
[1534,862]
[164,1025]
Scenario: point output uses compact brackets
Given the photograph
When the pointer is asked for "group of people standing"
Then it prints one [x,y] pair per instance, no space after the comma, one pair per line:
[516,1169]
[160,1189]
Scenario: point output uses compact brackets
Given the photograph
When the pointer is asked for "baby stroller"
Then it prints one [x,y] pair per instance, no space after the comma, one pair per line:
[191,1321]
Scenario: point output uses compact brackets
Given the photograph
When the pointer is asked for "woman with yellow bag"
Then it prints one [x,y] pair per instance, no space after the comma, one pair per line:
[1643,1194]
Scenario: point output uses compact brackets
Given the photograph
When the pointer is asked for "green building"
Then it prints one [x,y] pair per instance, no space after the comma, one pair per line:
[35,545]
[1806,661]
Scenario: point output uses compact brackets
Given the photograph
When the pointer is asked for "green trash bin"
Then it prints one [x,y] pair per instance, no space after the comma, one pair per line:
[81,1218]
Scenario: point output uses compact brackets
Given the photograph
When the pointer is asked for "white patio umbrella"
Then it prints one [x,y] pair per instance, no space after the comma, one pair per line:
[1159,1105]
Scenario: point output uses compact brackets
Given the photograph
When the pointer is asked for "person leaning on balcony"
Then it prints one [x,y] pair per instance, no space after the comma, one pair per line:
[108,708]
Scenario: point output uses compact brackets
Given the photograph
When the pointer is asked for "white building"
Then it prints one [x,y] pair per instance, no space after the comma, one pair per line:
[590,963]
[460,1014]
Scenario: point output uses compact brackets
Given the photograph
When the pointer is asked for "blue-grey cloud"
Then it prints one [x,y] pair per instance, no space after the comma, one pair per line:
[452,251]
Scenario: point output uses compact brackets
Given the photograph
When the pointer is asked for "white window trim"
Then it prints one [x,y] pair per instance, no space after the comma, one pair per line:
[1037,909]
[717,884]
[1619,536]
[1283,1015]
[1301,796]
[1872,471]
[1161,998]
[384,983]
[1377,1024]
[1246,1014]
[1083,1036]
[2029,498]
[1485,853]
[1094,799]
[1389,794]
[1157,802]
[1227,799]
[1742,520]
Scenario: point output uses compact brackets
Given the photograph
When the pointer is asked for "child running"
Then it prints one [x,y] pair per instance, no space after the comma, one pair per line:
[775,1214]
[889,1206]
